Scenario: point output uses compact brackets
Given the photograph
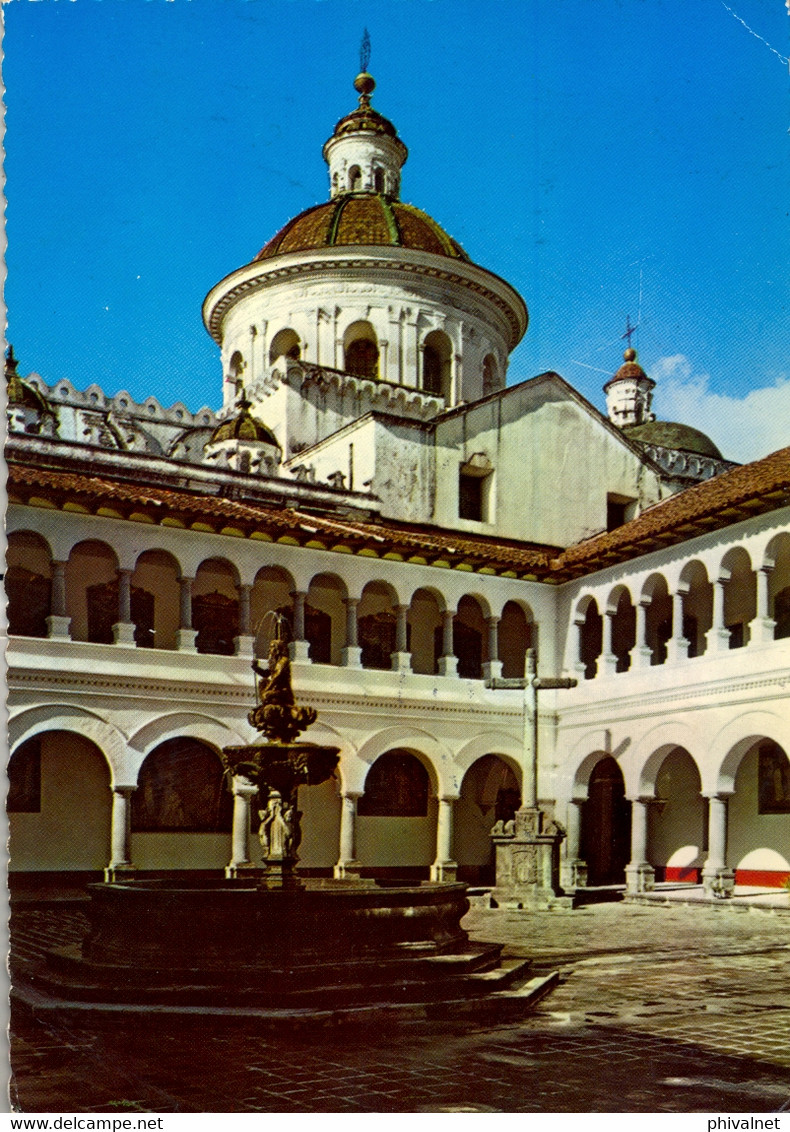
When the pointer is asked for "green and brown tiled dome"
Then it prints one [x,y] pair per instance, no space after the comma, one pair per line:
[362,219]
[670,434]
[244,426]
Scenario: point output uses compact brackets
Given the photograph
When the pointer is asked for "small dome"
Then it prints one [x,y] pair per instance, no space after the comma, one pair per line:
[244,427]
[366,219]
[629,370]
[669,434]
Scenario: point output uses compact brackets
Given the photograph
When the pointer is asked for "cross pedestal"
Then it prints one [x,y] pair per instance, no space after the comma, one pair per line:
[528,862]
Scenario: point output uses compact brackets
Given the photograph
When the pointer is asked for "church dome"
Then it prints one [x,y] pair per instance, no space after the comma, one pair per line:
[362,219]
[669,434]
[244,426]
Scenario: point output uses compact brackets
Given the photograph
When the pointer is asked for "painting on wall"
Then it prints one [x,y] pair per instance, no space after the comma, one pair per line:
[774,780]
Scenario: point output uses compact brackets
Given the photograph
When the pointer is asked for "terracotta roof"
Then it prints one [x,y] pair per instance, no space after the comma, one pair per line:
[362,219]
[728,498]
[217,513]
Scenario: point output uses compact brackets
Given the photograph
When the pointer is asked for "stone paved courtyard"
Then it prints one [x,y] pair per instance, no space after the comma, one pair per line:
[659,1009]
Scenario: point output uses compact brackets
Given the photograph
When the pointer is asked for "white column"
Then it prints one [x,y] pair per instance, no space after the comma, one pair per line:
[352,653]
[444,867]
[573,869]
[493,666]
[639,874]
[123,629]
[640,653]
[761,629]
[401,658]
[244,790]
[120,834]
[186,635]
[299,648]
[58,623]
[245,642]
[716,877]
[578,666]
[718,636]
[677,645]
[347,864]
[607,659]
[448,662]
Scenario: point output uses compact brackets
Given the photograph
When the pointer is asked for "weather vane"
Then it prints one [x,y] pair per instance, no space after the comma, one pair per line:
[364,51]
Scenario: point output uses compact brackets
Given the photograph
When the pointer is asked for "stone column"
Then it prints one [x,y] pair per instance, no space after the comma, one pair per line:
[244,790]
[444,867]
[347,864]
[718,636]
[384,359]
[448,662]
[123,629]
[401,658]
[457,381]
[717,879]
[677,645]
[640,653]
[608,661]
[640,876]
[120,835]
[245,642]
[578,666]
[574,869]
[352,653]
[493,666]
[58,622]
[761,629]
[186,635]
[299,648]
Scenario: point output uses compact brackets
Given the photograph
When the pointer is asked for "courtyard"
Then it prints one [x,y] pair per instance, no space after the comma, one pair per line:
[668,1007]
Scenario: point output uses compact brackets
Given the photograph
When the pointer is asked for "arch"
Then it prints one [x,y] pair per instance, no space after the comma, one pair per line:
[658,617]
[740,594]
[516,635]
[378,179]
[285,343]
[678,822]
[425,622]
[354,179]
[777,562]
[181,724]
[489,793]
[156,573]
[91,573]
[435,755]
[396,816]
[697,592]
[590,625]
[272,592]
[730,745]
[215,607]
[236,367]
[376,621]
[758,825]
[397,785]
[29,722]
[490,374]
[437,364]
[62,819]
[325,618]
[621,608]
[360,349]
[606,824]
[470,639]
[28,584]
[181,788]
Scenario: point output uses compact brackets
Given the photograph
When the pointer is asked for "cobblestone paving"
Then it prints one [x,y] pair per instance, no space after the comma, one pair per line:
[659,1010]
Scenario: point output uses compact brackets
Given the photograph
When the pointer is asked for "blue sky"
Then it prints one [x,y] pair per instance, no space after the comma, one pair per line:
[609,158]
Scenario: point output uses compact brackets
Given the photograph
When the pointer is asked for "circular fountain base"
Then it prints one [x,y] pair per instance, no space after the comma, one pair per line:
[328,946]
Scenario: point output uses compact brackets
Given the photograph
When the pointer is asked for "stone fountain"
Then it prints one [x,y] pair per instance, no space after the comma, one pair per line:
[267,941]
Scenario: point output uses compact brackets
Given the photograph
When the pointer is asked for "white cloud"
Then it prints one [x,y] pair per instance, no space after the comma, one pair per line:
[744,428]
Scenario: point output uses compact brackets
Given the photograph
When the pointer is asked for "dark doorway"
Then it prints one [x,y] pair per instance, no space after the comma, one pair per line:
[606,825]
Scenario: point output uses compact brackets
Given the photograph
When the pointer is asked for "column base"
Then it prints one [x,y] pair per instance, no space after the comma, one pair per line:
[607,664]
[640,878]
[492,670]
[718,882]
[448,665]
[351,656]
[401,661]
[123,633]
[677,649]
[444,870]
[300,652]
[185,640]
[717,640]
[118,873]
[244,646]
[344,870]
[573,874]
[641,657]
[241,870]
[761,631]
[59,627]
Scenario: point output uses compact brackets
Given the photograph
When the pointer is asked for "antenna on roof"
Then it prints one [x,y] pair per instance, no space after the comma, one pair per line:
[364,51]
